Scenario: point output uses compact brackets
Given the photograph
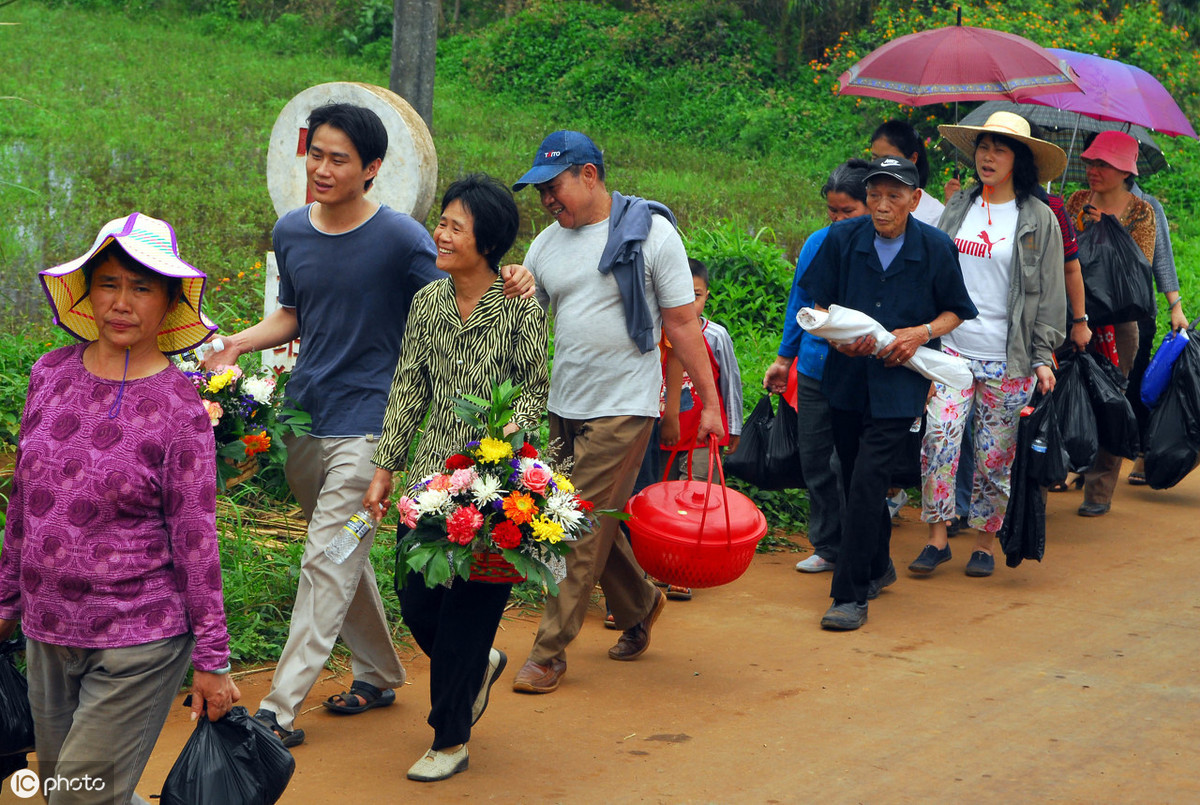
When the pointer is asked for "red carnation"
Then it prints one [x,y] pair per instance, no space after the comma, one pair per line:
[585,506]
[459,462]
[527,451]
[506,534]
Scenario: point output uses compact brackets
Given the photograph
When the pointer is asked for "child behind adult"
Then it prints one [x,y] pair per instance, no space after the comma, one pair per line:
[681,412]
[681,408]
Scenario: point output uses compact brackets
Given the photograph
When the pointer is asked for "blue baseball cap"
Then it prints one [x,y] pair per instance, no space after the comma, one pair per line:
[559,151]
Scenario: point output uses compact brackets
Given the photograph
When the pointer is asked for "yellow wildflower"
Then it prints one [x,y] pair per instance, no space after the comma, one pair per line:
[493,449]
[546,530]
[218,382]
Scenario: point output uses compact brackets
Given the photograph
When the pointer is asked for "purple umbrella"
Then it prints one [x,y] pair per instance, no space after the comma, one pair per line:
[1113,90]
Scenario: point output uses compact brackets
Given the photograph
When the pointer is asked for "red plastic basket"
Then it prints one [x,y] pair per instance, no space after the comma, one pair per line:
[493,567]
[683,535]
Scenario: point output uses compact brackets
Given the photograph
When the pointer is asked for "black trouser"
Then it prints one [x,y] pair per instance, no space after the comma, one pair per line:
[1133,392]
[455,627]
[867,448]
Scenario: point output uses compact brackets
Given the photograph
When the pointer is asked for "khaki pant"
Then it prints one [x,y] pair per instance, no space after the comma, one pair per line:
[329,478]
[99,712]
[1100,481]
[607,452]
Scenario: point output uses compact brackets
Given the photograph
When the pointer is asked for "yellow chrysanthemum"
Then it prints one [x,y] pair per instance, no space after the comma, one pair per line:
[563,483]
[218,382]
[493,449]
[546,530]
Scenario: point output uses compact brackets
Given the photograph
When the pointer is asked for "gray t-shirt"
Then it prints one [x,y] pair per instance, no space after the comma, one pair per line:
[598,370]
[351,293]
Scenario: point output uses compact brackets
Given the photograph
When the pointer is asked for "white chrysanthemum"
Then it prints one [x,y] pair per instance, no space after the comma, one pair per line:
[526,463]
[432,501]
[485,489]
[259,389]
[561,508]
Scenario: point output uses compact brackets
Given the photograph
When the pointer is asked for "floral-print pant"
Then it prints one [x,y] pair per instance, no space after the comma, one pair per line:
[995,402]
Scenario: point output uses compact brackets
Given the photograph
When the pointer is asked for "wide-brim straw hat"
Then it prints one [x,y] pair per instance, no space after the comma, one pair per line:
[1051,161]
[150,242]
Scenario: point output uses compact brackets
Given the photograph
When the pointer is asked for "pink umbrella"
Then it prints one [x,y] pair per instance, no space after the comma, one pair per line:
[1113,90]
[957,63]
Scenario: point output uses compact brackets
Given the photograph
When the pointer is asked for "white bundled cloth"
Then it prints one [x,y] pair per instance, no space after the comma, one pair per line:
[841,325]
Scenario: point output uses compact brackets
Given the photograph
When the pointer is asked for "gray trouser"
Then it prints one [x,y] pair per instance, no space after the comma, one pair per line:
[329,478]
[822,471]
[99,712]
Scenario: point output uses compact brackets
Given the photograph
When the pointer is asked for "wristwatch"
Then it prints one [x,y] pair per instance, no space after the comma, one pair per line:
[1080,320]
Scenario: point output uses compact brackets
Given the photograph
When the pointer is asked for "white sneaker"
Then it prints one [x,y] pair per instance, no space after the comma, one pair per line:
[896,503]
[437,765]
[496,662]
[814,564]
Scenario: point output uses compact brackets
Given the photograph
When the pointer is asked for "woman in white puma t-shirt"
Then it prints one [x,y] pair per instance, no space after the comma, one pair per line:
[1011,254]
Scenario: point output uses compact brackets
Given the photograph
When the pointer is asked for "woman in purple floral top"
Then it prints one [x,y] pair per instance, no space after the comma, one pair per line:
[110,559]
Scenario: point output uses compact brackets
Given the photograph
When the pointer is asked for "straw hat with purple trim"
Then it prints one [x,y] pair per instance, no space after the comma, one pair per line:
[151,242]
[1051,160]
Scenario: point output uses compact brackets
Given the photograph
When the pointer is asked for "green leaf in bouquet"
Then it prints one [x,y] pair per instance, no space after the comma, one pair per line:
[297,421]
[235,450]
[490,416]
[437,571]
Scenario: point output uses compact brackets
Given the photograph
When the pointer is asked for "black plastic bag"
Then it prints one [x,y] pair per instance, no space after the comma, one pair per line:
[783,450]
[1116,424]
[749,461]
[1173,438]
[1076,420]
[233,761]
[767,454]
[1117,278]
[1048,459]
[16,720]
[1023,534]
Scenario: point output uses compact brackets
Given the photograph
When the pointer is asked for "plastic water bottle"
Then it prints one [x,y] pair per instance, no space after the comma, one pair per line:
[1039,445]
[216,345]
[357,527]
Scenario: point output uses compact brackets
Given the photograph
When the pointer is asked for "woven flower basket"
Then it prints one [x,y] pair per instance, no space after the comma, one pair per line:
[246,470]
[493,567]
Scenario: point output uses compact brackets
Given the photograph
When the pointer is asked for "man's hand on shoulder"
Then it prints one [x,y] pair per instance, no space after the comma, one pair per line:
[518,281]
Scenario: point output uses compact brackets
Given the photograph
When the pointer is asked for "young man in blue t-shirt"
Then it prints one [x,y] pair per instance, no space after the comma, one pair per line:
[348,269]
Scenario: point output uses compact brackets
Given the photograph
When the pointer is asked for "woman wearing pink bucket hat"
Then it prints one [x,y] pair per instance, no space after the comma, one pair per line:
[1111,162]
[110,561]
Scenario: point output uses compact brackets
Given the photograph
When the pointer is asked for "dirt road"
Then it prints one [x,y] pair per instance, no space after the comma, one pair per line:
[1073,680]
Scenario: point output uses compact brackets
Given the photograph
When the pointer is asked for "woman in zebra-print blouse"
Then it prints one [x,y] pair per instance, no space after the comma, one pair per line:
[462,337]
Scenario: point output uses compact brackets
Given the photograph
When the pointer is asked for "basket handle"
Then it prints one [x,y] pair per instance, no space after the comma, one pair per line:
[713,451]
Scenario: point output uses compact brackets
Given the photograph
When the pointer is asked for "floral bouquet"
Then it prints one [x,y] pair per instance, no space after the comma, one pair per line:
[499,512]
[248,416]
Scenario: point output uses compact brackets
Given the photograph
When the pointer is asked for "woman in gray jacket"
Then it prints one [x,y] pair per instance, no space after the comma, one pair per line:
[1010,250]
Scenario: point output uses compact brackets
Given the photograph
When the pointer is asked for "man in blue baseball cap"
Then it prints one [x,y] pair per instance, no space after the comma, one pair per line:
[614,272]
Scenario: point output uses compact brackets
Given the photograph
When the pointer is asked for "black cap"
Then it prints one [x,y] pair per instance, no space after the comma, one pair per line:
[897,168]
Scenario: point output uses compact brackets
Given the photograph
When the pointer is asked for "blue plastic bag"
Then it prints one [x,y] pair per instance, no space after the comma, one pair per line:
[1158,373]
